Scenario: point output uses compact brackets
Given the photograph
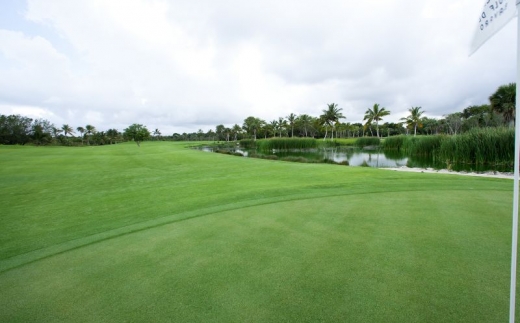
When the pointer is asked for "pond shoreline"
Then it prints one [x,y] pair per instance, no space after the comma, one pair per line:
[491,174]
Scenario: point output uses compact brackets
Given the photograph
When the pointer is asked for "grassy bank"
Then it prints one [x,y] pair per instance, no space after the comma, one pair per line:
[164,233]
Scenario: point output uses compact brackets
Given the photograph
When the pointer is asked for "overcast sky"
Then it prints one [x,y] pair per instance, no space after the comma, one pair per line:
[184,65]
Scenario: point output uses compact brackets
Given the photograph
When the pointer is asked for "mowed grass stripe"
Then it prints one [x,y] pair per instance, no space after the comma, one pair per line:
[294,261]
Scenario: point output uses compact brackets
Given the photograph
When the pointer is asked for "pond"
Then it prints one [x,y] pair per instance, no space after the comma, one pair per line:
[371,158]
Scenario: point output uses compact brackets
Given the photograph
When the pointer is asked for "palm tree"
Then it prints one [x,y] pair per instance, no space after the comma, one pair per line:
[112,134]
[67,130]
[503,102]
[227,132]
[414,119]
[375,114]
[55,132]
[89,130]
[219,130]
[292,119]
[330,116]
[252,124]
[282,124]
[81,130]
[157,133]
[236,130]
[274,126]
[305,121]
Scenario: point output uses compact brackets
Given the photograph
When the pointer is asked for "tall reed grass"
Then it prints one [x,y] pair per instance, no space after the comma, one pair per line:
[423,145]
[248,143]
[286,143]
[414,145]
[393,143]
[368,141]
[479,146]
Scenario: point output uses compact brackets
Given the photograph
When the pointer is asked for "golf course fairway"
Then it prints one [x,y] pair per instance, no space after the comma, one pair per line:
[164,233]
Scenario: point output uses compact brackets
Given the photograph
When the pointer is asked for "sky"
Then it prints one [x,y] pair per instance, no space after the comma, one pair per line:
[184,65]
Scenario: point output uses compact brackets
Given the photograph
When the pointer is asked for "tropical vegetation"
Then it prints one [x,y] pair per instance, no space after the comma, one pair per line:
[375,114]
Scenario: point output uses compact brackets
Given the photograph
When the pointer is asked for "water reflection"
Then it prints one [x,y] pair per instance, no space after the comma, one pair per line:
[373,158]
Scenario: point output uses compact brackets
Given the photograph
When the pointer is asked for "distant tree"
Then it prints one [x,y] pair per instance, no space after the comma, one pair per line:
[55,132]
[251,125]
[503,102]
[282,126]
[236,130]
[227,133]
[41,131]
[375,114]
[430,125]
[414,119]
[15,129]
[67,130]
[273,127]
[89,131]
[453,122]
[291,119]
[304,121]
[99,138]
[136,132]
[112,135]
[219,130]
[211,135]
[330,116]
[200,134]
[81,131]
[157,134]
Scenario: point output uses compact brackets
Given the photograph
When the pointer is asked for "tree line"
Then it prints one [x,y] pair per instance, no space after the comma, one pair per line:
[20,130]
[499,112]
[16,129]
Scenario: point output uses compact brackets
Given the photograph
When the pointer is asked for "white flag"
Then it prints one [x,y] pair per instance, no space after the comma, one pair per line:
[495,15]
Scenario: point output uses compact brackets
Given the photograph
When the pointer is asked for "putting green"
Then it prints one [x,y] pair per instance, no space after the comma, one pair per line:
[265,264]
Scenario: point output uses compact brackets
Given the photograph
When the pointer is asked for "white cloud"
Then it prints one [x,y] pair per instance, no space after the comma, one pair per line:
[184,65]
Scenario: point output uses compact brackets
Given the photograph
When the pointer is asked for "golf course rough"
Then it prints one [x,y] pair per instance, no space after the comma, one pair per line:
[164,233]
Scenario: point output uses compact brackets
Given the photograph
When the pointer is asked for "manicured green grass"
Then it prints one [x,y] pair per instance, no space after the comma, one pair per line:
[163,233]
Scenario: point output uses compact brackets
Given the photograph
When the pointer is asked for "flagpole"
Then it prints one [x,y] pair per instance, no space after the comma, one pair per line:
[514,243]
